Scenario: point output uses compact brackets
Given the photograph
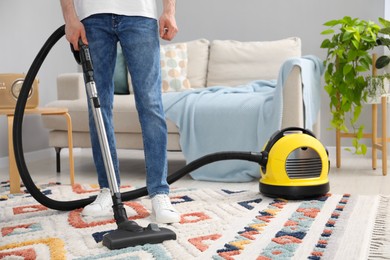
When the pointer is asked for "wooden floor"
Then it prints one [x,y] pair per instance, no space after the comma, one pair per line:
[355,175]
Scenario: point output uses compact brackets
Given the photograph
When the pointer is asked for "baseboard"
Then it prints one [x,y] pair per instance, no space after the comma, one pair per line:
[30,156]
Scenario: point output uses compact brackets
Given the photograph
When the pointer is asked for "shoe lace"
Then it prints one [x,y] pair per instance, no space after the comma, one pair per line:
[164,202]
[103,198]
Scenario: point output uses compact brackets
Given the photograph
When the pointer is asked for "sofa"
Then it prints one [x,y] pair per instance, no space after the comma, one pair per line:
[203,64]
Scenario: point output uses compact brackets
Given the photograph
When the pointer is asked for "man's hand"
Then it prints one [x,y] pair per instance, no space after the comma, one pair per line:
[74,29]
[167,21]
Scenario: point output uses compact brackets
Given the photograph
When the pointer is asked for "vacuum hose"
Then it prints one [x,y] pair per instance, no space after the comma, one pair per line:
[130,195]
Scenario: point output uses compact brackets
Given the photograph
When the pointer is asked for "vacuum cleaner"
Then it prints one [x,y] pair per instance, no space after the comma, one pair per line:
[297,165]
[293,165]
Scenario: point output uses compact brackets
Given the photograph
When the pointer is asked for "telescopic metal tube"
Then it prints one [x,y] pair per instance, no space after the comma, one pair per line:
[103,141]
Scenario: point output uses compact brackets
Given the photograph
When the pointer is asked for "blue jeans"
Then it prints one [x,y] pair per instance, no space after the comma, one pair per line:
[139,40]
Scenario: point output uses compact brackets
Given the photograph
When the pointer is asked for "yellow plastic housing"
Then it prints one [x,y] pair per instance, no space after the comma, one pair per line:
[276,165]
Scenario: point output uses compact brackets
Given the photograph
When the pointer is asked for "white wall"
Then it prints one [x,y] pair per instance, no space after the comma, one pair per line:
[25,25]
[387,9]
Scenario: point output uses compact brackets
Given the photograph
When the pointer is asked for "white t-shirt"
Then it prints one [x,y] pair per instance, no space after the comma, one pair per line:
[145,8]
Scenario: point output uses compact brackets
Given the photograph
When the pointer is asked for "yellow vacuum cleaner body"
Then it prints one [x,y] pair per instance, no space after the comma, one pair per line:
[296,167]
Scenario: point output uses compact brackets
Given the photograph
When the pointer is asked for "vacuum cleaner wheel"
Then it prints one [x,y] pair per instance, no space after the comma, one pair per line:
[294,192]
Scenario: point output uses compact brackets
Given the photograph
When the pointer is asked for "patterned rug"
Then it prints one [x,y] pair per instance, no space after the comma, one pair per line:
[215,224]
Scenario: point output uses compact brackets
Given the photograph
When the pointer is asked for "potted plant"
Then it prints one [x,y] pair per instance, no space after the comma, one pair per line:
[348,58]
[382,40]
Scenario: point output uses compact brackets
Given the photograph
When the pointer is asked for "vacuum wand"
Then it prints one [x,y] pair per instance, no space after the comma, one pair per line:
[86,63]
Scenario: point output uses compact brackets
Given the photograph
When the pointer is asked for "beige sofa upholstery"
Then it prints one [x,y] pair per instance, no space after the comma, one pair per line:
[220,62]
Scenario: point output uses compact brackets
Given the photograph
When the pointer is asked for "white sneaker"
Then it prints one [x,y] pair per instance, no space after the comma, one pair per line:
[101,206]
[163,210]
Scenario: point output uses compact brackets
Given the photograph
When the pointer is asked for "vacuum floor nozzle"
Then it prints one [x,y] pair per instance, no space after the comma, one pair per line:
[152,234]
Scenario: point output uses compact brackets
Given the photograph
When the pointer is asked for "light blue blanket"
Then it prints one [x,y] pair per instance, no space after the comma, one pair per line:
[238,119]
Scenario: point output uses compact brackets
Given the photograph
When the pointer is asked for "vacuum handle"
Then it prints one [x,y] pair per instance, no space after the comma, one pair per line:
[86,62]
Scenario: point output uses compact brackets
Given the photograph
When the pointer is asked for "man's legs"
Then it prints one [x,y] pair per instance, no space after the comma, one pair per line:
[139,40]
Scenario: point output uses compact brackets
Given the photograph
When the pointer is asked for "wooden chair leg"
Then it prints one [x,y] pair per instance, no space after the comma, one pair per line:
[338,148]
[374,137]
[70,147]
[14,179]
[384,135]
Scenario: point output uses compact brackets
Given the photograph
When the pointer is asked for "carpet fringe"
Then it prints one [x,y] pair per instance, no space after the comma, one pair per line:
[380,237]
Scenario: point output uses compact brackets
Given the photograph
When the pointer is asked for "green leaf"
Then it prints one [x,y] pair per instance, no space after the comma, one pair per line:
[364,149]
[332,23]
[347,68]
[355,43]
[328,89]
[364,64]
[384,22]
[352,55]
[350,29]
[370,39]
[347,36]
[347,20]
[325,44]
[350,78]
[329,31]
[330,68]
[356,36]
[356,114]
[385,30]
[360,149]
[361,68]
[373,35]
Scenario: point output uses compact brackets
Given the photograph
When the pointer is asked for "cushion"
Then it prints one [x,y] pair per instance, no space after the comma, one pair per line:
[174,68]
[198,58]
[233,63]
[121,85]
